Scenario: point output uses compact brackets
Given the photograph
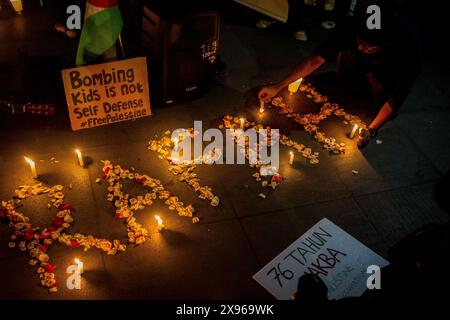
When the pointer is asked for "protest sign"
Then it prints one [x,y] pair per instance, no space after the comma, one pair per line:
[106,93]
[326,250]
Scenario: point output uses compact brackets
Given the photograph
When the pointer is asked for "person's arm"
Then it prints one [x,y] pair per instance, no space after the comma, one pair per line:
[382,116]
[301,70]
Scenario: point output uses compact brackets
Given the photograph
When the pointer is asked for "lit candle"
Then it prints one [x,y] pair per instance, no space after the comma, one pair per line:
[293,87]
[80,265]
[242,120]
[161,225]
[261,106]
[32,167]
[355,128]
[80,157]
[291,157]
[175,143]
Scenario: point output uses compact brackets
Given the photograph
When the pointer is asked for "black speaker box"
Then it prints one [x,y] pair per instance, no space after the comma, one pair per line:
[182,45]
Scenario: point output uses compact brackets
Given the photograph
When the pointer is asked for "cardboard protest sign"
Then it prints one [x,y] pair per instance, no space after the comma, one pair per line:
[106,93]
[336,257]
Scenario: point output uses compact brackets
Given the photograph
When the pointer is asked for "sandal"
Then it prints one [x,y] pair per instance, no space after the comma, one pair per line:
[364,136]
[263,24]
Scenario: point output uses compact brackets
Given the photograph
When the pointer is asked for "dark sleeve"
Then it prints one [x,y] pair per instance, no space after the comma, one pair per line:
[342,38]
[404,75]
[329,49]
[400,90]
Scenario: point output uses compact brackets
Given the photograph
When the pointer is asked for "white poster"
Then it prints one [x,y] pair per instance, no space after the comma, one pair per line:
[336,257]
[277,9]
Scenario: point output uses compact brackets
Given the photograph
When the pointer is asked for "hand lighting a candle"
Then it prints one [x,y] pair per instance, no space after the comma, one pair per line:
[261,106]
[293,87]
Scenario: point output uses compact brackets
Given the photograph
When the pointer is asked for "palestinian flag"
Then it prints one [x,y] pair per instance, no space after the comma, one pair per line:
[102,26]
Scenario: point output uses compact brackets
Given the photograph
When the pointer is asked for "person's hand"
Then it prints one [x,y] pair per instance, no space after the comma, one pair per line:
[364,136]
[268,92]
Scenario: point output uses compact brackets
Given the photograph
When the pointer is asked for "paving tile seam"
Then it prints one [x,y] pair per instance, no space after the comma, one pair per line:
[435,84]
[91,187]
[250,244]
[430,181]
[367,216]
[419,150]
[309,204]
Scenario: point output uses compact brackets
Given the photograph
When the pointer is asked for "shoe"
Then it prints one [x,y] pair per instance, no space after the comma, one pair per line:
[328,25]
[300,35]
[263,24]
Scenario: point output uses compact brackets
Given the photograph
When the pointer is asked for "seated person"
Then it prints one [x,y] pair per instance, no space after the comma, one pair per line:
[386,61]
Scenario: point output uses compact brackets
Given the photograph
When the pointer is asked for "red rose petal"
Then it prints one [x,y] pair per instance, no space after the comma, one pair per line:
[28,236]
[49,268]
[57,222]
[74,244]
[44,235]
[105,172]
[65,206]
[141,180]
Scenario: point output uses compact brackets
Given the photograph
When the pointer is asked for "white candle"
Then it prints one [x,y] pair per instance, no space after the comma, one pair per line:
[261,106]
[242,120]
[80,265]
[32,167]
[161,225]
[175,143]
[291,157]
[355,128]
[293,87]
[80,157]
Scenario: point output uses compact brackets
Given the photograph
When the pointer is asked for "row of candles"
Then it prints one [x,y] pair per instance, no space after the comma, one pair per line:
[32,164]
[34,174]
[81,163]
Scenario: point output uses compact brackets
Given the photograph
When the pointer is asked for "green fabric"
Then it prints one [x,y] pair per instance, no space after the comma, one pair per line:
[100,32]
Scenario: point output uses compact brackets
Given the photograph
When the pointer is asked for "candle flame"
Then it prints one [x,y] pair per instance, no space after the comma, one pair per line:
[78,152]
[77,261]
[291,153]
[159,220]
[29,161]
